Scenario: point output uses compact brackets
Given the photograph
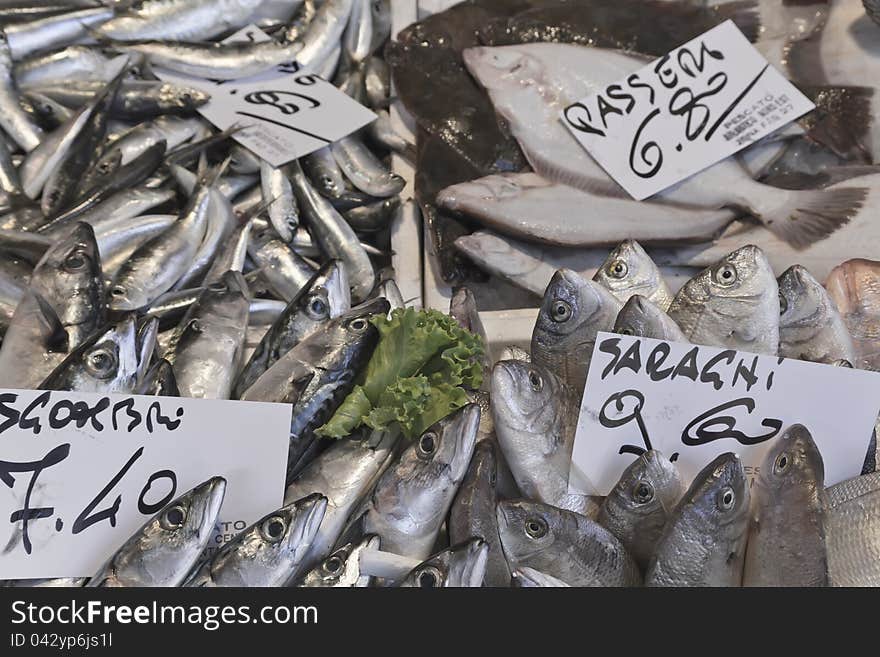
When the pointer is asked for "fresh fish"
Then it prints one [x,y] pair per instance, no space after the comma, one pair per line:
[852,527]
[531,208]
[70,63]
[123,206]
[13,119]
[526,577]
[373,216]
[573,312]
[382,132]
[854,286]
[335,236]
[733,304]
[365,171]
[535,419]
[810,326]
[286,272]
[704,542]
[377,82]
[412,497]
[316,375]
[460,566]
[323,32]
[159,380]
[563,544]
[108,362]
[46,33]
[119,237]
[325,297]
[473,512]
[342,568]
[231,256]
[641,502]
[532,84]
[164,550]
[156,266]
[179,19]
[209,343]
[629,270]
[268,553]
[641,317]
[358,37]
[345,474]
[388,290]
[787,539]
[280,201]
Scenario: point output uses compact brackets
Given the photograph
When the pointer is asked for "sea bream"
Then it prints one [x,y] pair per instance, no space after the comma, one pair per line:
[532,84]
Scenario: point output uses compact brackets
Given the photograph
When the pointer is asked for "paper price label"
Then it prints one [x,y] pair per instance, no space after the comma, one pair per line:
[283,114]
[693,403]
[80,473]
[684,112]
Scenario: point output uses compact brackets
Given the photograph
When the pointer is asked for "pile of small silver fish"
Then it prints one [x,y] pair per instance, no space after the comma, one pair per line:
[481,497]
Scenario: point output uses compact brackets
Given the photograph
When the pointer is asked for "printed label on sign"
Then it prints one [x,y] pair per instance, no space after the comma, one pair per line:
[284,113]
[693,403]
[684,112]
[80,473]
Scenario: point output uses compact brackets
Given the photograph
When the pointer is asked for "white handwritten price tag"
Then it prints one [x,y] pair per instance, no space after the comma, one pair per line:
[284,113]
[80,473]
[693,403]
[684,112]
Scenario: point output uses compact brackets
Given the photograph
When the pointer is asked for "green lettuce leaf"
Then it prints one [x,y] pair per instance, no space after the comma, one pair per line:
[348,416]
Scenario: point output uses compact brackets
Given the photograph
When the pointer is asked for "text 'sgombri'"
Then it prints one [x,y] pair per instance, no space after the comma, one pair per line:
[79,473]
[283,114]
[694,402]
[682,113]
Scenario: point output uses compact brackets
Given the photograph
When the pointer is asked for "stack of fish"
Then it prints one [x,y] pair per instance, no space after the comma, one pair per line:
[517,196]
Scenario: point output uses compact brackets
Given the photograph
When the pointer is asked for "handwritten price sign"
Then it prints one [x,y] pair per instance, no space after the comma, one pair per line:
[694,403]
[284,113]
[79,473]
[684,112]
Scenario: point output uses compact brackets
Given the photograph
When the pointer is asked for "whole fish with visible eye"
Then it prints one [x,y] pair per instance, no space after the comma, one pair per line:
[460,566]
[638,507]
[342,568]
[572,314]
[787,535]
[164,550]
[810,326]
[564,545]
[642,318]
[704,542]
[268,553]
[733,304]
[629,270]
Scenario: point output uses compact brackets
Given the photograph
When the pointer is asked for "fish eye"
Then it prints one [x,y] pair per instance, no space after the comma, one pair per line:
[783,304]
[560,311]
[217,287]
[101,362]
[493,478]
[358,325]
[76,261]
[272,530]
[316,308]
[536,527]
[725,275]
[117,291]
[428,443]
[625,331]
[643,492]
[617,269]
[536,381]
[429,577]
[333,565]
[781,464]
[195,325]
[173,517]
[726,499]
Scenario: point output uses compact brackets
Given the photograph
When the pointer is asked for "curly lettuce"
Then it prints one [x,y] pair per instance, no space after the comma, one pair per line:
[415,377]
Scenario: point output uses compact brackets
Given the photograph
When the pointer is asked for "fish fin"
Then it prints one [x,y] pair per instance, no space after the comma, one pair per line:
[842,119]
[745,16]
[551,171]
[803,59]
[57,340]
[209,178]
[807,216]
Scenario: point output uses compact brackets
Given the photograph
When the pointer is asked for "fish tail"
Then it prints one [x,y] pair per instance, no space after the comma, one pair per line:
[842,119]
[744,14]
[803,217]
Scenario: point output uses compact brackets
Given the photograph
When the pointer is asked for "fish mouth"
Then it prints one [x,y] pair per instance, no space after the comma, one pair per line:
[464,429]
[307,515]
[212,492]
[334,278]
